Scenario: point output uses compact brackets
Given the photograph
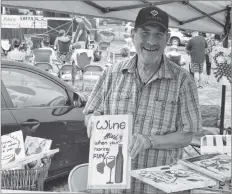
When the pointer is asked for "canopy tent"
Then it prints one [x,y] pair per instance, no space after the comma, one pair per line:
[204,16]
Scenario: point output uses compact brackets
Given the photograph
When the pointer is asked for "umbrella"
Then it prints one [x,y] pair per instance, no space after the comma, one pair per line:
[203,16]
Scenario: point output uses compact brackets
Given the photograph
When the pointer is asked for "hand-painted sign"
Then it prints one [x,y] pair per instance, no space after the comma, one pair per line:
[109,160]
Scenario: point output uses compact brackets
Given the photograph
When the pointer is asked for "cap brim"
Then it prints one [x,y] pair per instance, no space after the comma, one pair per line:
[152,22]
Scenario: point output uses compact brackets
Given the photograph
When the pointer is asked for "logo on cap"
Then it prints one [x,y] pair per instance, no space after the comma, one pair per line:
[154,13]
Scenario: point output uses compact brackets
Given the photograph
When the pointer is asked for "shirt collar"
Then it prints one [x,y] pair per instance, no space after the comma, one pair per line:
[165,71]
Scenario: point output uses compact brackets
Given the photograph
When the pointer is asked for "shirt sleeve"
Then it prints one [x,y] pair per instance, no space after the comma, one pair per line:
[95,101]
[188,111]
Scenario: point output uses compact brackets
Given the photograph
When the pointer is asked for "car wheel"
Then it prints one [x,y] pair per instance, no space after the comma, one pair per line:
[104,23]
[123,23]
[175,41]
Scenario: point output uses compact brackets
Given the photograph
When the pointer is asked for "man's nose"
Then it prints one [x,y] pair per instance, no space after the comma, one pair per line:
[152,40]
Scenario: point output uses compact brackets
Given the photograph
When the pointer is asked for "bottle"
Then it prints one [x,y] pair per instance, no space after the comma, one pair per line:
[119,165]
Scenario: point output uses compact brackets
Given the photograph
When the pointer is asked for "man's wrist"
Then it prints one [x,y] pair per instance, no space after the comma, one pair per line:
[148,142]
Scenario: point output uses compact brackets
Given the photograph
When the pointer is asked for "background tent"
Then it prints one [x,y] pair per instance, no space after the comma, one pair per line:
[205,16]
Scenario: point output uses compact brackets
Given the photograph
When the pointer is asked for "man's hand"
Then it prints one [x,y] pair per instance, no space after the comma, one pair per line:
[138,143]
[89,122]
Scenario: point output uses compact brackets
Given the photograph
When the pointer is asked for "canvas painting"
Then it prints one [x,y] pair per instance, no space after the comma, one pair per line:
[217,166]
[173,178]
[221,65]
[109,160]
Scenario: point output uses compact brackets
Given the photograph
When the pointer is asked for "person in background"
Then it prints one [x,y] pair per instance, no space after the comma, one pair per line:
[75,66]
[173,53]
[16,54]
[62,36]
[81,34]
[208,55]
[161,96]
[196,48]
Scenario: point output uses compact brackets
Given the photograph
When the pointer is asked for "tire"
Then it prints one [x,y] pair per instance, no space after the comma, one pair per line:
[123,23]
[104,23]
[175,41]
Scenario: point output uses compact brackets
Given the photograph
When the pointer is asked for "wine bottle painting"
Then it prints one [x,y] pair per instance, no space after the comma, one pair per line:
[111,162]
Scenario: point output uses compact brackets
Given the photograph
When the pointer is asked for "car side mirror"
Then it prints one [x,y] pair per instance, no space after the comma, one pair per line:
[79,100]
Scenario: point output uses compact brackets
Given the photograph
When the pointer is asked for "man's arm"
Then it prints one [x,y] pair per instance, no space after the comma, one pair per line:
[188,120]
[95,101]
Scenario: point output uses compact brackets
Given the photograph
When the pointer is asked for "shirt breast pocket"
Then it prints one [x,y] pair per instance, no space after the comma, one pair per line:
[165,115]
[118,103]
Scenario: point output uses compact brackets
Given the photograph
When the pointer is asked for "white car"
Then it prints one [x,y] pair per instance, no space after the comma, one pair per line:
[177,37]
[129,27]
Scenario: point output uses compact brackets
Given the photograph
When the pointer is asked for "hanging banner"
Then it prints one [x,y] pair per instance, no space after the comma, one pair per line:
[10,21]
[24,21]
[109,160]
[221,65]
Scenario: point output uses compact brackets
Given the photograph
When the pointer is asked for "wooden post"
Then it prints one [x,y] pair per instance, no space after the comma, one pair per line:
[225,45]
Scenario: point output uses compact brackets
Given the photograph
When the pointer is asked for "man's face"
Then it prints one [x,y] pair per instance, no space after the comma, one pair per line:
[150,42]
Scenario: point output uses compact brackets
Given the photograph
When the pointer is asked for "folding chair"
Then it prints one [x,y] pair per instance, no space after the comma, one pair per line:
[175,59]
[63,52]
[83,60]
[42,55]
[78,178]
[104,47]
[90,76]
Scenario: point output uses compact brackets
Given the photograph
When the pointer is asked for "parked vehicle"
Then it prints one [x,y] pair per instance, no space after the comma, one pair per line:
[177,37]
[105,22]
[42,105]
[129,27]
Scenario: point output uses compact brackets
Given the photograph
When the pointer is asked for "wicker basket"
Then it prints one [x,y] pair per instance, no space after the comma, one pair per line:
[30,179]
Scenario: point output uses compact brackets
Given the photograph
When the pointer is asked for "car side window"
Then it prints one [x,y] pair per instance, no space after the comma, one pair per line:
[28,89]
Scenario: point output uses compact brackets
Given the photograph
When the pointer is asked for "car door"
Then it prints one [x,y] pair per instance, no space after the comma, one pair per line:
[8,122]
[43,109]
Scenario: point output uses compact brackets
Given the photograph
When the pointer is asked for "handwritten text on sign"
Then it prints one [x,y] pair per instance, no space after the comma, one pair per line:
[109,160]
[12,147]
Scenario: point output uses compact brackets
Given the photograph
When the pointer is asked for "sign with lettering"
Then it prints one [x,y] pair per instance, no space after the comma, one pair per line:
[109,160]
[24,21]
[12,147]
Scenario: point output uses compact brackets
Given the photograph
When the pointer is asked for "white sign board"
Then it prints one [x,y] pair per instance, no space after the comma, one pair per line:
[109,160]
[10,21]
[12,147]
[24,21]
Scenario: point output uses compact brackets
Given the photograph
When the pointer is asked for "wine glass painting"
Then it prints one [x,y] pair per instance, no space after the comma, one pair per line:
[110,162]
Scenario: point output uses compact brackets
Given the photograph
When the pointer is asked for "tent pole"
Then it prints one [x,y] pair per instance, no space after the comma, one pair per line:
[225,45]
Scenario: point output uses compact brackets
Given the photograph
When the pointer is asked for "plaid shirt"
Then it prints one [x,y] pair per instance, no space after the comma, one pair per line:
[167,103]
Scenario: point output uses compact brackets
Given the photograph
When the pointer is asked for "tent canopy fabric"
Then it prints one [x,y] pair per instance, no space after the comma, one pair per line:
[204,16]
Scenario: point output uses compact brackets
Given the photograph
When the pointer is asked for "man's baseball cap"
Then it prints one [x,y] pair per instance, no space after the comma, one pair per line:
[151,15]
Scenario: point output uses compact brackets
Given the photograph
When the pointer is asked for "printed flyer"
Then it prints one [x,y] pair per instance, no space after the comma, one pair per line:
[109,160]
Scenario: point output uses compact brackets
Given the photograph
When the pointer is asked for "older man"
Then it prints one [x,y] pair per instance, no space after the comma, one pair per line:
[161,96]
